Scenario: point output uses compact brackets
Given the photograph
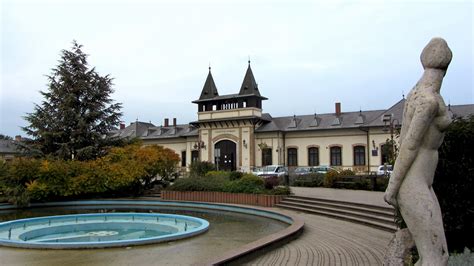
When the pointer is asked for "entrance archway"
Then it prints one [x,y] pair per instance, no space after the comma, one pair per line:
[224,155]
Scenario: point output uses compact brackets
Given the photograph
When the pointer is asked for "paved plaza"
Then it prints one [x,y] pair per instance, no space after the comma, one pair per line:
[327,241]
[324,241]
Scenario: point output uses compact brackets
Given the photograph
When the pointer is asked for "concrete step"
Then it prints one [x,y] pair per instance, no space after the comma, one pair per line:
[388,213]
[360,214]
[364,221]
[345,203]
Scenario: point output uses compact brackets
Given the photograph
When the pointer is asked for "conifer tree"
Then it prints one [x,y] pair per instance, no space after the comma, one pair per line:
[77,112]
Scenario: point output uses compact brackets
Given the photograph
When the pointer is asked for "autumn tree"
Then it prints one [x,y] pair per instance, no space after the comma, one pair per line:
[77,111]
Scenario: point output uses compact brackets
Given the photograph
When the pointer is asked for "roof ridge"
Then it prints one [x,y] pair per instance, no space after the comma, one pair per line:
[291,116]
[390,108]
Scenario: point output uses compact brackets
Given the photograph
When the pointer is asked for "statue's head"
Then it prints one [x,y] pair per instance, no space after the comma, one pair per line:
[436,54]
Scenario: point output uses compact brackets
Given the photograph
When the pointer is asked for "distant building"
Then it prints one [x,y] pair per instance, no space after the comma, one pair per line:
[9,149]
[233,132]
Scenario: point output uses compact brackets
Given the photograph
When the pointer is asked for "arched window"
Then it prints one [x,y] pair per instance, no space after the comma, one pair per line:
[336,156]
[313,156]
[292,157]
[359,155]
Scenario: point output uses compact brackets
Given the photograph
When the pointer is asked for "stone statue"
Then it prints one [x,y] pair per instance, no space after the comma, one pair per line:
[425,119]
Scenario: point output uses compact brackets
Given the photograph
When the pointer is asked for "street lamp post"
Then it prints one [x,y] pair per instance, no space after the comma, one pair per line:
[391,124]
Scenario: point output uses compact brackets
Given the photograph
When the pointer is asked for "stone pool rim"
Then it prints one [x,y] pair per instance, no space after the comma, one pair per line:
[237,255]
[203,227]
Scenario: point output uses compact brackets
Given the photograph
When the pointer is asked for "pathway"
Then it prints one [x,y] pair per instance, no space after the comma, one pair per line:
[327,241]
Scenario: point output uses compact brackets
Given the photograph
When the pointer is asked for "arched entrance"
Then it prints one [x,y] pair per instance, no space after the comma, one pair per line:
[225,154]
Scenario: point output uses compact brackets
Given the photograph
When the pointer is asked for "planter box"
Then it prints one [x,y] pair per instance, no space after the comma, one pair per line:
[223,197]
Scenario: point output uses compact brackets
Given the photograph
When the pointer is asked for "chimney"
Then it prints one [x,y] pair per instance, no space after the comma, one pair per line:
[122,125]
[338,109]
[174,122]
[167,122]
[18,138]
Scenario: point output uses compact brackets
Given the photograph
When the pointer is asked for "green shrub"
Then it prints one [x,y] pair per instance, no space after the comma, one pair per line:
[235,175]
[381,183]
[247,184]
[217,181]
[281,190]
[309,180]
[461,259]
[221,174]
[271,182]
[199,168]
[361,184]
[208,183]
[14,177]
[346,172]
[454,184]
[330,179]
[125,170]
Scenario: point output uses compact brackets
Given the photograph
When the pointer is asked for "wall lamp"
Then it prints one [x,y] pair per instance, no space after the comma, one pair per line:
[244,142]
[199,145]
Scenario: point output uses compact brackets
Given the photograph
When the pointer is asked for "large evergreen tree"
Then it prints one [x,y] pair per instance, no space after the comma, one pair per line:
[77,111]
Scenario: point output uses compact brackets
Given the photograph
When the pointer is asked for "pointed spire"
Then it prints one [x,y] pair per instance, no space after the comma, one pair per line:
[249,85]
[209,90]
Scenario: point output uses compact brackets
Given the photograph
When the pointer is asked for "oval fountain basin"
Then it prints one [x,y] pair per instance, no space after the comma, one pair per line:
[99,230]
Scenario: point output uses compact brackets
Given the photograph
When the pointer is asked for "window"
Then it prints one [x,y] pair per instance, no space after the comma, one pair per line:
[266,156]
[313,156]
[292,157]
[183,158]
[336,156]
[359,155]
[194,156]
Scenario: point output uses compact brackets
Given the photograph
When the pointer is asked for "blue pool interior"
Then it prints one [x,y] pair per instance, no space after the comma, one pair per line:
[99,230]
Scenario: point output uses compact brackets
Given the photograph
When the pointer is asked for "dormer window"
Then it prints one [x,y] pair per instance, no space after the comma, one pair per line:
[315,122]
[360,119]
[336,121]
[293,123]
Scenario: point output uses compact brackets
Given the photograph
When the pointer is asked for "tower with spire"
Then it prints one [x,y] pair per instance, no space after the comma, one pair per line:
[248,96]
[226,123]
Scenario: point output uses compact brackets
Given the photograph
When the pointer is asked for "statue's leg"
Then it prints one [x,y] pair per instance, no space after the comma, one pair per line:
[420,210]
[441,245]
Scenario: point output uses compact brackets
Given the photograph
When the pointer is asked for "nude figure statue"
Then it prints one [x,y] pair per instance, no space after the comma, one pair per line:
[425,119]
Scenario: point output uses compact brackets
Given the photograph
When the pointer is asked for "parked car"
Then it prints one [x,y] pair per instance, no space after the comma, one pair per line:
[303,171]
[272,170]
[323,169]
[256,170]
[385,170]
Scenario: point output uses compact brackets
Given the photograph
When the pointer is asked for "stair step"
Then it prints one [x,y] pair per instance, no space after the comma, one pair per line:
[365,209]
[386,219]
[371,223]
[374,207]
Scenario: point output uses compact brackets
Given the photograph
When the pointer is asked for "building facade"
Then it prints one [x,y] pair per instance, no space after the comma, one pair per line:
[233,132]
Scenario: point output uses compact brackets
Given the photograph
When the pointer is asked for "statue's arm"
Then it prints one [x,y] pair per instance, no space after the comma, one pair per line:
[422,118]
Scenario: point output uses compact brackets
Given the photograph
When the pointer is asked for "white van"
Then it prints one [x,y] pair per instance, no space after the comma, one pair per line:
[385,170]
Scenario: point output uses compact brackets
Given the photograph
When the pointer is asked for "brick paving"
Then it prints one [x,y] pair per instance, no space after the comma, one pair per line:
[327,241]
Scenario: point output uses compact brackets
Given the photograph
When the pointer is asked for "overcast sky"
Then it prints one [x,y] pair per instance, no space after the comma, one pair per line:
[305,55]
